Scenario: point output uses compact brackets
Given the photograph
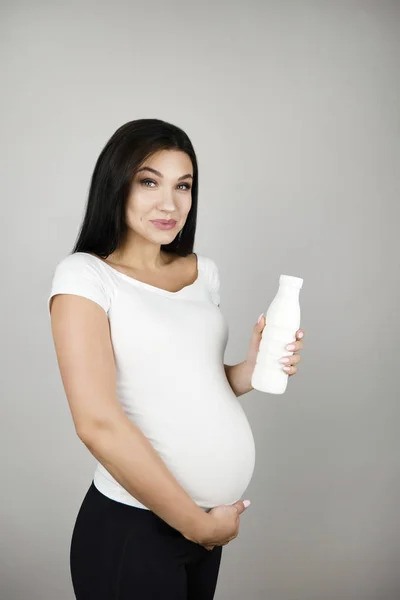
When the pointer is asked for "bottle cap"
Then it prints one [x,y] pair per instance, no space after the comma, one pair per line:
[296,282]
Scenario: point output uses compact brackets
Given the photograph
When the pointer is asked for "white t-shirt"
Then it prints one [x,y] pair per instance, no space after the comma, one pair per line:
[169,351]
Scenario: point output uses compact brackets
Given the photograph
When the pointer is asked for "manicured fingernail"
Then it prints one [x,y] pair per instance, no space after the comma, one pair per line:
[260,317]
[286,368]
[284,360]
[291,347]
[246,503]
[300,335]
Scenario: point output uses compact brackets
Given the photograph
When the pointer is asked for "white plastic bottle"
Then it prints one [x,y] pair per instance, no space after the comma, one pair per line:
[283,321]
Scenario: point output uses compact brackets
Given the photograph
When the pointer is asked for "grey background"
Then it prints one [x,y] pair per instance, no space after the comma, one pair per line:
[293,109]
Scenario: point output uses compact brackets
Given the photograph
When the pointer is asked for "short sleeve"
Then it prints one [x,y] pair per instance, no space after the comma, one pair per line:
[215,283]
[76,274]
[212,275]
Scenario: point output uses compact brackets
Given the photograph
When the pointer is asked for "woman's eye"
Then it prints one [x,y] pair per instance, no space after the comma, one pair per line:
[145,181]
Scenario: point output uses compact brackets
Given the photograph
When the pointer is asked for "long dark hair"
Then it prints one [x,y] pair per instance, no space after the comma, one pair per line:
[104,226]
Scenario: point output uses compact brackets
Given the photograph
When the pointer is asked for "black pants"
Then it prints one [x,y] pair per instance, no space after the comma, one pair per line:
[120,552]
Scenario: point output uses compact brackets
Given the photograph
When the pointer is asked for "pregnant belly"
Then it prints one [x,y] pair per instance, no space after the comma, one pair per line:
[209,450]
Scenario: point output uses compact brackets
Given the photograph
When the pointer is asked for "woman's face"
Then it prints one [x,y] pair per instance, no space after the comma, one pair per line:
[161,196]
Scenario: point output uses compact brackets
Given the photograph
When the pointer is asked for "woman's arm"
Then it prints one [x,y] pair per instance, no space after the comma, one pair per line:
[85,357]
[239,377]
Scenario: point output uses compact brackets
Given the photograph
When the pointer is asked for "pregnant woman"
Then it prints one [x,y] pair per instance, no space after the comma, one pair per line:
[140,344]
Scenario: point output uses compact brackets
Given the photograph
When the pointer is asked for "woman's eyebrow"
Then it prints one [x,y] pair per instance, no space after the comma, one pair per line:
[161,175]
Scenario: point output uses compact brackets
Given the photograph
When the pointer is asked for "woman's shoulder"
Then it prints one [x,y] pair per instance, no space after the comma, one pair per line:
[77,261]
[81,273]
[207,265]
[209,269]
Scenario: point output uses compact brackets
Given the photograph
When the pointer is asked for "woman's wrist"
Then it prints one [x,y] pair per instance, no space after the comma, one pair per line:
[200,529]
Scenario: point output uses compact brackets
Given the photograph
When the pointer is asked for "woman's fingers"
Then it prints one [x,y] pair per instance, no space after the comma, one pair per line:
[290,360]
[241,505]
[295,346]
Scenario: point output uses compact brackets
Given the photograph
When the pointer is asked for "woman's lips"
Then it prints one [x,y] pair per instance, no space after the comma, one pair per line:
[164,225]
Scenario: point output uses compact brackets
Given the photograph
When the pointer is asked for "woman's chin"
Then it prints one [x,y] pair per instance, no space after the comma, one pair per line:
[162,237]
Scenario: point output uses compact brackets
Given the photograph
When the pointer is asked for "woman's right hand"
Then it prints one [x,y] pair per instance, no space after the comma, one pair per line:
[222,525]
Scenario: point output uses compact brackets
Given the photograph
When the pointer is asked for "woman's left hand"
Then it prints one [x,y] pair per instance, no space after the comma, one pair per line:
[288,362]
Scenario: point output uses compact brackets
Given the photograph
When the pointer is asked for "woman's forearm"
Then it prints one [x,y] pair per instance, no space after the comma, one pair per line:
[239,377]
[127,454]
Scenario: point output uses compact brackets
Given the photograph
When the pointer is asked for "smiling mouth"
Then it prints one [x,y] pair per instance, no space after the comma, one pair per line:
[165,221]
[164,224]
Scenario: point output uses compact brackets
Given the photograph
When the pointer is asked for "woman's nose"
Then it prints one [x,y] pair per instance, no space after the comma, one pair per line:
[166,202]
